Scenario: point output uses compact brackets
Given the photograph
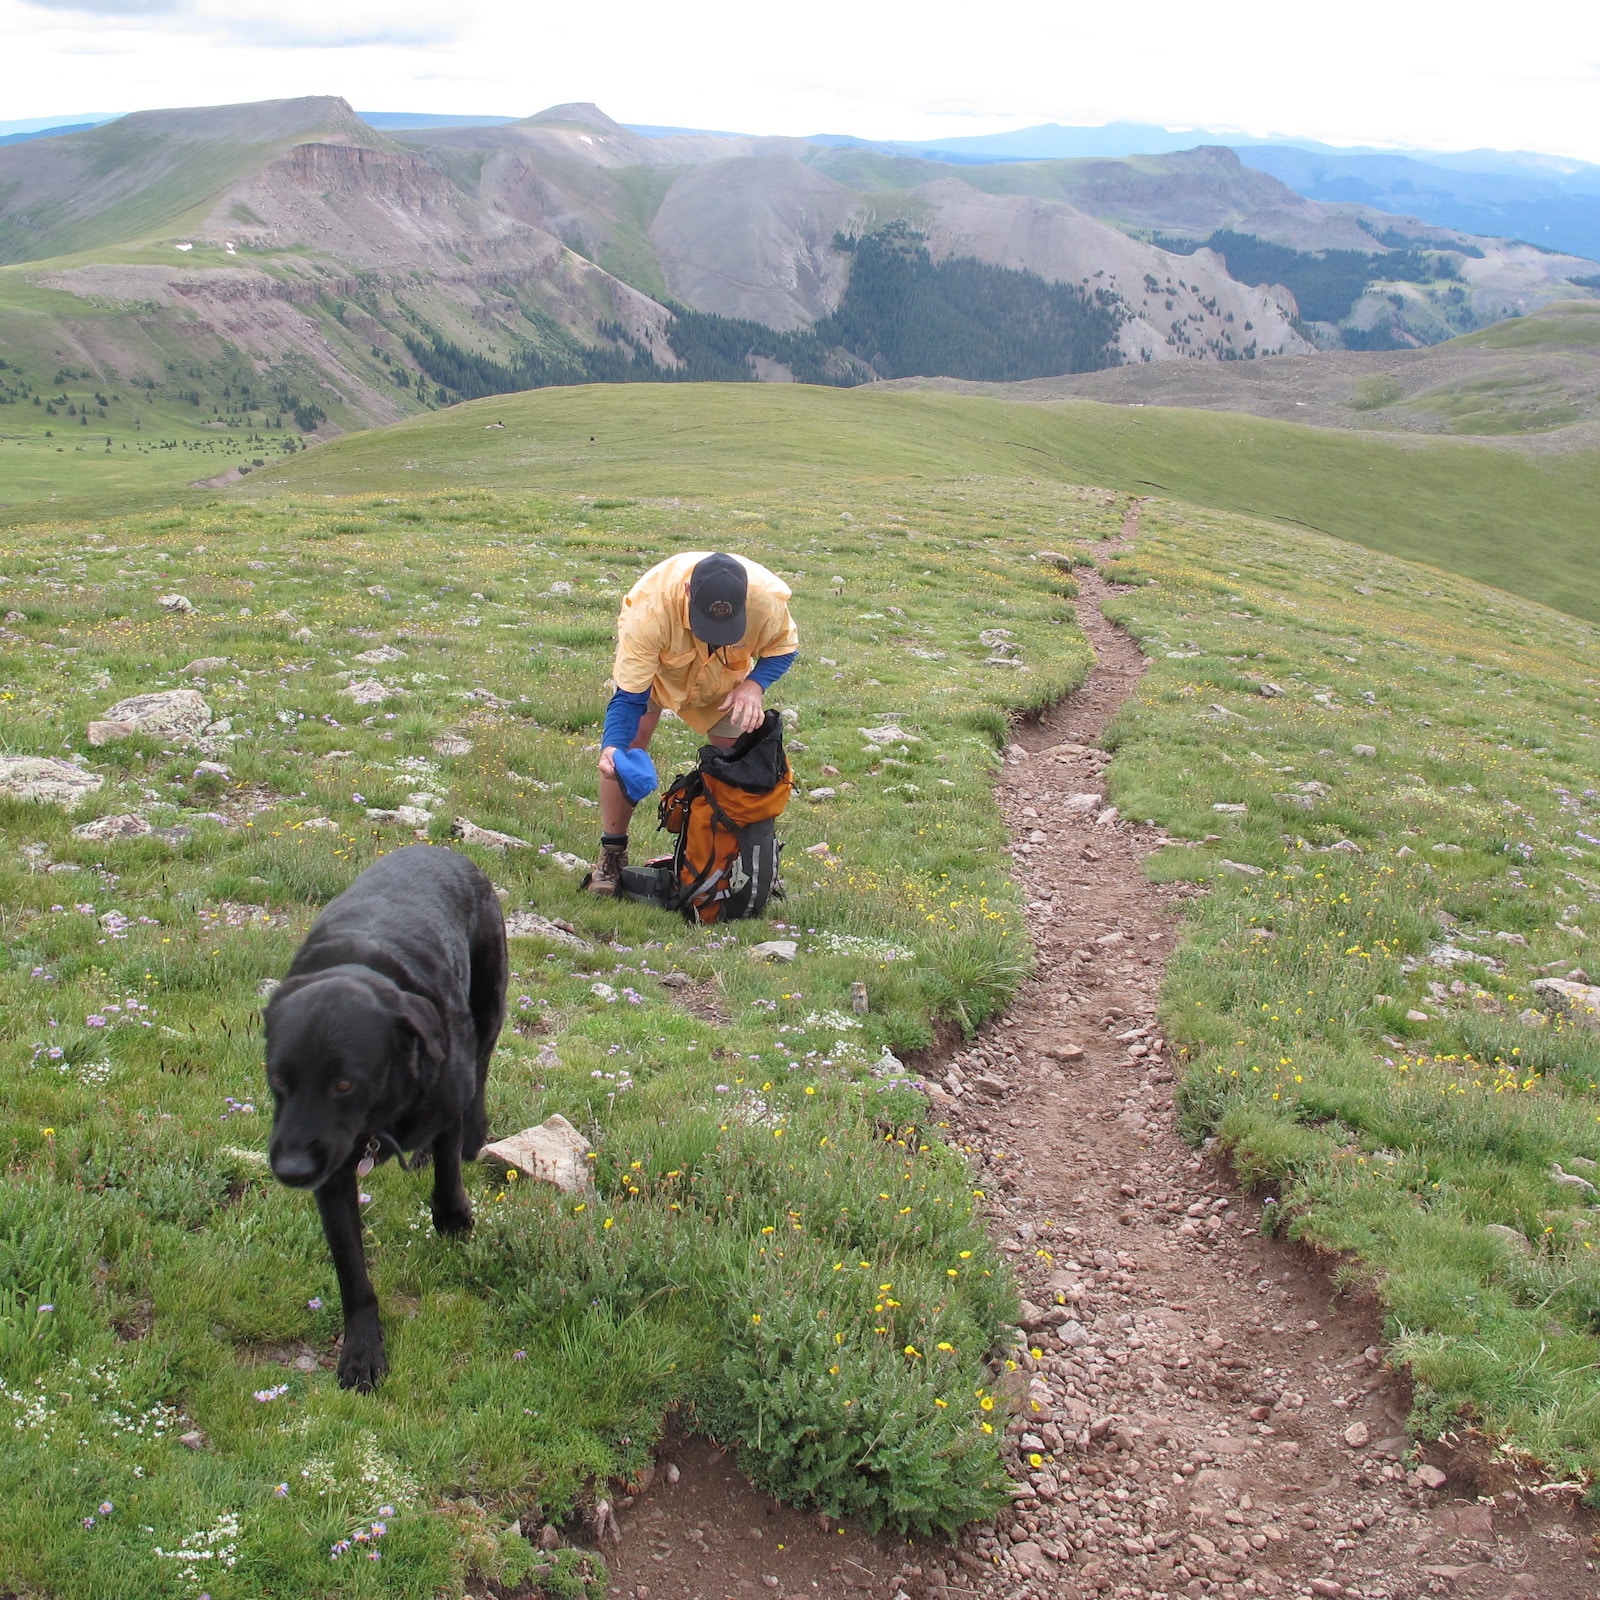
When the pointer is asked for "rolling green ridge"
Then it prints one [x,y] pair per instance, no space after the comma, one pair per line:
[1523,523]
[780,1242]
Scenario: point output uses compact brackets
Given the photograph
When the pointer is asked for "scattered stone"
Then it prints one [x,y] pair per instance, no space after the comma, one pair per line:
[554,1152]
[565,858]
[1414,1015]
[821,794]
[174,603]
[470,833]
[530,925]
[858,999]
[1363,750]
[1357,1434]
[1243,867]
[206,666]
[368,692]
[1574,1002]
[120,825]
[1447,849]
[1269,690]
[1571,1180]
[212,769]
[1514,1238]
[180,715]
[775,950]
[889,733]
[380,654]
[1430,1477]
[1229,808]
[46,778]
[452,744]
[267,987]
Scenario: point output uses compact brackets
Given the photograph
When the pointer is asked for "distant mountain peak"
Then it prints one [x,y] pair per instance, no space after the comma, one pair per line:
[582,114]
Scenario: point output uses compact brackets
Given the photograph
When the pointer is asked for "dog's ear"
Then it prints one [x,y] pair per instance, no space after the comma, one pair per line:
[420,1017]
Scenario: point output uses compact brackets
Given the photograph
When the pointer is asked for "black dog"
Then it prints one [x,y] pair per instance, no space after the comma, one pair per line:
[378,1042]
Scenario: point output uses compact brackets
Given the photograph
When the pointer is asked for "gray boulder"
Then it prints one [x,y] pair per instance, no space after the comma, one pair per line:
[46,778]
[180,715]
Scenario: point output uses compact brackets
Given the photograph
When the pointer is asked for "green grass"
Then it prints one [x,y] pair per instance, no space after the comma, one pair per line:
[1571,322]
[776,1224]
[1523,523]
[1437,876]
[779,1244]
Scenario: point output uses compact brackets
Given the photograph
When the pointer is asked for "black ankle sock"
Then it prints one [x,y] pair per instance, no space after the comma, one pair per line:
[613,841]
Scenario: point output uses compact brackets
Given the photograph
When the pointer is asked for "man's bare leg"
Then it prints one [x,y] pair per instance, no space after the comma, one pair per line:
[616,812]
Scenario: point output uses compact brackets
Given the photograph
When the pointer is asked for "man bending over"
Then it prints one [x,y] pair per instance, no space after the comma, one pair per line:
[703,636]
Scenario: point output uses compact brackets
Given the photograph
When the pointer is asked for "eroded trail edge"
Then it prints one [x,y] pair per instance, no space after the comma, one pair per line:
[1198,1410]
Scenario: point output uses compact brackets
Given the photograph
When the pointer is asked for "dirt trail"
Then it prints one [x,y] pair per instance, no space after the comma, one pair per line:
[1205,1414]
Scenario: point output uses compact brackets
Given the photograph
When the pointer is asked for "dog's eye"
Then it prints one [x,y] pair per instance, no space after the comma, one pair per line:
[277,1084]
[343,1086]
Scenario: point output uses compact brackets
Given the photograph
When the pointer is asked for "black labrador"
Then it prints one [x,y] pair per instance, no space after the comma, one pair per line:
[378,1042]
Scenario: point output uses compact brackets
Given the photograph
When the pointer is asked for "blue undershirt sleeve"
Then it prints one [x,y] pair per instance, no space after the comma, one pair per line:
[623,716]
[769,669]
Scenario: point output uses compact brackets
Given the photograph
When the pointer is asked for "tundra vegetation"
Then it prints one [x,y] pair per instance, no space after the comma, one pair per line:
[779,1243]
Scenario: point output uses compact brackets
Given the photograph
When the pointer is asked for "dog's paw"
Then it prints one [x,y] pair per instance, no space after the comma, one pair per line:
[362,1363]
[453,1219]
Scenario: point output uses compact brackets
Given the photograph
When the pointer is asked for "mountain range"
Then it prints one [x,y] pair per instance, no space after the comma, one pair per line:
[359,273]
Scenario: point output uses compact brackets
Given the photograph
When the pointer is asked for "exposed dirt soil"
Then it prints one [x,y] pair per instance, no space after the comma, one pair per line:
[1199,1412]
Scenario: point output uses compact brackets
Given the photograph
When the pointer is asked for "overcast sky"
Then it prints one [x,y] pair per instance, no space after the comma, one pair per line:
[1363,71]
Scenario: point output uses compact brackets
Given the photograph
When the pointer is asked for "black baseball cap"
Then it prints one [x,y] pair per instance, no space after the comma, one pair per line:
[717,589]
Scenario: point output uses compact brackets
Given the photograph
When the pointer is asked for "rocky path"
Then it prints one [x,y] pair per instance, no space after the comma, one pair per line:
[1200,1413]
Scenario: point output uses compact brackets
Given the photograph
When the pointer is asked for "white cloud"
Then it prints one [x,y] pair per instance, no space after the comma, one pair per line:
[1376,71]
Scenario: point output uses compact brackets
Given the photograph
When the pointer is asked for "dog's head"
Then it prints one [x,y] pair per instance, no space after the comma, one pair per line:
[342,1059]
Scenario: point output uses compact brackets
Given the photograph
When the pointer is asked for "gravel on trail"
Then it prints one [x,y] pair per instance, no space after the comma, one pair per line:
[1198,1410]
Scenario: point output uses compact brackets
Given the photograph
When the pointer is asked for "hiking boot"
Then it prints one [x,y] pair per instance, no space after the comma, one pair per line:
[607,875]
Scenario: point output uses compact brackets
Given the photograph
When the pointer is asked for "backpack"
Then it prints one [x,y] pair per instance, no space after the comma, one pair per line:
[725,863]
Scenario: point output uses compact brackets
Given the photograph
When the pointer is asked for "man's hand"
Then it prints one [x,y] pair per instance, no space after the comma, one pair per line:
[608,767]
[745,706]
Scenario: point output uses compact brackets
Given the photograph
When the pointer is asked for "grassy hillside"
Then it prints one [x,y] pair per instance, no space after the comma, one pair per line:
[1523,523]
[153,173]
[778,1237]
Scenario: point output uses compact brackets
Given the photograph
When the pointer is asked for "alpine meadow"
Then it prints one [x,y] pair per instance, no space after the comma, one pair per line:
[1149,1147]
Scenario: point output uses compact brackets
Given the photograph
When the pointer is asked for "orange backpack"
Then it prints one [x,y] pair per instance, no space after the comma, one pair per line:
[725,865]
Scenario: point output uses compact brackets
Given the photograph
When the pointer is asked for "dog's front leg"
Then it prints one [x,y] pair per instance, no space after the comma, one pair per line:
[452,1210]
[362,1361]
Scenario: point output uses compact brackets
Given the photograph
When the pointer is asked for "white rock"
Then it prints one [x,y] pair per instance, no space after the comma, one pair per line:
[124,825]
[368,692]
[46,778]
[565,858]
[1244,867]
[452,744]
[821,794]
[890,733]
[470,833]
[1363,750]
[206,666]
[530,925]
[554,1152]
[1357,1434]
[174,603]
[181,715]
[1229,808]
[775,950]
[380,654]
[1577,1003]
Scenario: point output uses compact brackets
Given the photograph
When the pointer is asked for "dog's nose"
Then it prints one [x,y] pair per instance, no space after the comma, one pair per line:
[295,1167]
